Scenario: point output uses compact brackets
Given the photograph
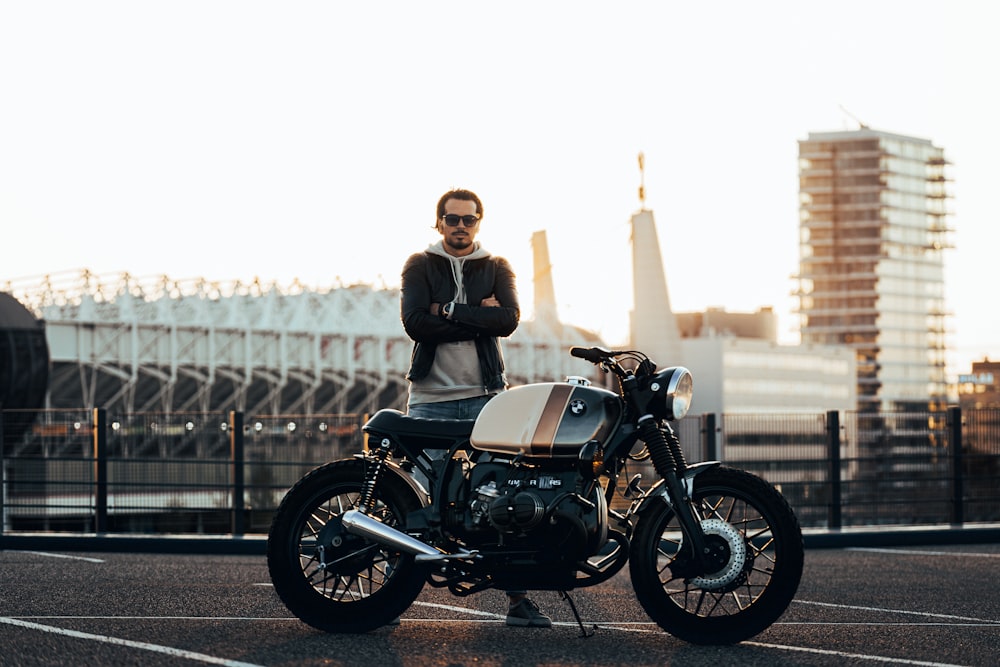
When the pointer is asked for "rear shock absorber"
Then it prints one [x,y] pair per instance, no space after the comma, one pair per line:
[367,503]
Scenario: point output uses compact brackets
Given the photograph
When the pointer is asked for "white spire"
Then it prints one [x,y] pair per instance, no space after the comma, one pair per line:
[545,292]
[654,327]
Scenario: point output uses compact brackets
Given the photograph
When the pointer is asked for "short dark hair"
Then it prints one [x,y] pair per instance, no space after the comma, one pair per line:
[467,195]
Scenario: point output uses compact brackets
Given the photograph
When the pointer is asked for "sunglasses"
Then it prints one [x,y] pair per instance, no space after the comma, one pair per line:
[452,220]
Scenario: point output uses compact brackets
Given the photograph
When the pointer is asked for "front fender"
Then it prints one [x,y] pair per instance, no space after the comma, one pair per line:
[659,494]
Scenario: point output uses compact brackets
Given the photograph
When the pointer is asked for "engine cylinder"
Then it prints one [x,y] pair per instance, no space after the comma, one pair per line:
[522,511]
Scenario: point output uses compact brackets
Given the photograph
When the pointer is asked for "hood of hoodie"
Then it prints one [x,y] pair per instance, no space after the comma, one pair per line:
[457,263]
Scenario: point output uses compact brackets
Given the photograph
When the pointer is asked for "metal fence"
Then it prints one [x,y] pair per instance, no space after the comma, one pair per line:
[84,471]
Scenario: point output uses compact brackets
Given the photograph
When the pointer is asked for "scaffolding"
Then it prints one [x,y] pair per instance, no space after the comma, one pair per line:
[874,212]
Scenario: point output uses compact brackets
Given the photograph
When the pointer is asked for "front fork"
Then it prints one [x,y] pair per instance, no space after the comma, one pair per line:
[668,461]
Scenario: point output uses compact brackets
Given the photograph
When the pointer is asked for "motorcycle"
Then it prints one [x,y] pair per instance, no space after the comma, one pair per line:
[521,498]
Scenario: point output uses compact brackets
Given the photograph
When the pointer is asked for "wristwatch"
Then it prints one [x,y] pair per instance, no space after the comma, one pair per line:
[447,309]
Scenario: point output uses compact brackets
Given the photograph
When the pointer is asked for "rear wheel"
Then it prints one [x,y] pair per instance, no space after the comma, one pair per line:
[755,544]
[329,578]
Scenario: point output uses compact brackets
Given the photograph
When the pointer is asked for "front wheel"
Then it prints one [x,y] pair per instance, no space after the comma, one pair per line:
[329,578]
[757,554]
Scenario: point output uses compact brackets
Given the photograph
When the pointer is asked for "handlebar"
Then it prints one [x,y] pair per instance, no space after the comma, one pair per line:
[594,355]
[622,363]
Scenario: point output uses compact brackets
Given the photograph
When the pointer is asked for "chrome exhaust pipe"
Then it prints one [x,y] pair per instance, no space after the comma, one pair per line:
[363,525]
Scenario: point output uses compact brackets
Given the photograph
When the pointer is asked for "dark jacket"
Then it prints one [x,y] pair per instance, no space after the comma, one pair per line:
[427,279]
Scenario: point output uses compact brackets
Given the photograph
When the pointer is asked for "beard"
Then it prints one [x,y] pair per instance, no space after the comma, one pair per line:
[458,242]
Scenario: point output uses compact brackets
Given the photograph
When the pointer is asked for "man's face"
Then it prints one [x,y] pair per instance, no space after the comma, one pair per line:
[458,240]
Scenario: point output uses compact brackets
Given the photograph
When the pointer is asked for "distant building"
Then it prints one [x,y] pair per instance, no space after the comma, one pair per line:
[762,325]
[133,345]
[873,225]
[759,376]
[979,399]
[981,387]
[737,363]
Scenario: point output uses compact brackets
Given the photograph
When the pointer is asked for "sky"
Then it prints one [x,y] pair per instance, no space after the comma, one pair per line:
[310,141]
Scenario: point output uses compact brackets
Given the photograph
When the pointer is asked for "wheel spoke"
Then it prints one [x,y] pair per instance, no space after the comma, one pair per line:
[736,600]
[359,582]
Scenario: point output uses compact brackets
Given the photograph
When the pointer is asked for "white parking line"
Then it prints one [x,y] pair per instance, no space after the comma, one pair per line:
[814,651]
[51,555]
[645,627]
[909,552]
[652,628]
[851,656]
[460,610]
[145,646]
[803,649]
[883,610]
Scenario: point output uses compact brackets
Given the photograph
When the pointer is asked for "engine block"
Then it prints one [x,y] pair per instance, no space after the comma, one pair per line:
[526,506]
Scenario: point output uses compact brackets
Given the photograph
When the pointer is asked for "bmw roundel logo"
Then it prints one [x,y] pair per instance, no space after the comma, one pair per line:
[577,407]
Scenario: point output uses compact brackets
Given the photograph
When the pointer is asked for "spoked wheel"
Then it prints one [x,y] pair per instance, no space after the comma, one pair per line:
[329,578]
[755,547]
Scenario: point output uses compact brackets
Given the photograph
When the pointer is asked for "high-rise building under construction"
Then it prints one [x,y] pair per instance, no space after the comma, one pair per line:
[874,227]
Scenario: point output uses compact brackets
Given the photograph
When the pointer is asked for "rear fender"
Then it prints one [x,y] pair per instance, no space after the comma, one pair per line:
[394,468]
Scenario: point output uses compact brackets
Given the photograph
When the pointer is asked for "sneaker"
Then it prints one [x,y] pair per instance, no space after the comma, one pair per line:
[526,614]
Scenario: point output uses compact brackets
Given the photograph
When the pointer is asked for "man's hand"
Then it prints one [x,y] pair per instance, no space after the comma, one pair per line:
[488,302]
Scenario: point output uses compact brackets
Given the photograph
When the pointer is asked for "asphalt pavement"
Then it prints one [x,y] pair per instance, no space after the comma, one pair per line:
[923,605]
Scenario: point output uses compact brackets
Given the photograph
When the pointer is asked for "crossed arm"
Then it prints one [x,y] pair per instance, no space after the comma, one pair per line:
[496,314]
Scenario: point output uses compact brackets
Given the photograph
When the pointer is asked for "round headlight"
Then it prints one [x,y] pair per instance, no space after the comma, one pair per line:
[680,387]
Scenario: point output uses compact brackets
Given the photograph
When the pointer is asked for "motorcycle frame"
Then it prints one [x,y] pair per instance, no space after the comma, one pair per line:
[675,485]
[616,453]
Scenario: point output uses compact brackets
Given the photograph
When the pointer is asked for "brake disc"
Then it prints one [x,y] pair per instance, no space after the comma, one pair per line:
[732,571]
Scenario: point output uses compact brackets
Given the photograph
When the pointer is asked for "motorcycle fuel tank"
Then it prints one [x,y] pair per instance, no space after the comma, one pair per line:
[549,419]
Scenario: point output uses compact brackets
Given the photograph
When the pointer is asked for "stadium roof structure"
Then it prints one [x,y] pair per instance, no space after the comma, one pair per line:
[131,344]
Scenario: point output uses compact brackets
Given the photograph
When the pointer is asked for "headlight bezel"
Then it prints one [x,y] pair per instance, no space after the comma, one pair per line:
[673,388]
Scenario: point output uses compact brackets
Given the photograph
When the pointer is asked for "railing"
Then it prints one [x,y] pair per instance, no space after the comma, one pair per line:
[83,471]
[184,473]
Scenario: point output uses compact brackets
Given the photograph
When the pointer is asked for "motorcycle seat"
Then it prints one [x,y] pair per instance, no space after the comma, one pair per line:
[396,422]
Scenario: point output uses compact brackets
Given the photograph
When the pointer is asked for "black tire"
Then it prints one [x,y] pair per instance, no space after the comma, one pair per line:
[363,586]
[750,591]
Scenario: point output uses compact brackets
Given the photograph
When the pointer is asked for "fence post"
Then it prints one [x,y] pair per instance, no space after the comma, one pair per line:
[237,454]
[957,472]
[100,435]
[3,483]
[834,517]
[709,443]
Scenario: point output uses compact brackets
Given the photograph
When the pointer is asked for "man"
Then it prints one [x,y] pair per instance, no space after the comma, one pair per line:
[457,301]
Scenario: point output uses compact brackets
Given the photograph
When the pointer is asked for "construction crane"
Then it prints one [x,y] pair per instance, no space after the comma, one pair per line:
[855,118]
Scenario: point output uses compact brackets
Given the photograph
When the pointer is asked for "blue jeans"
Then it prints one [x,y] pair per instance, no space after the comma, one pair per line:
[463,408]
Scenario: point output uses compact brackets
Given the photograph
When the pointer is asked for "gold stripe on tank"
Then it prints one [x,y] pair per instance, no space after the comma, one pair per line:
[545,433]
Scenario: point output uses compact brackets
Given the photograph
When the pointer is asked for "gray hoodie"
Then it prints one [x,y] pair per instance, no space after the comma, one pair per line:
[455,373]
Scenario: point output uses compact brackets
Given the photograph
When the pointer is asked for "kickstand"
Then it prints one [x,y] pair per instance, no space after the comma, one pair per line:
[583,630]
